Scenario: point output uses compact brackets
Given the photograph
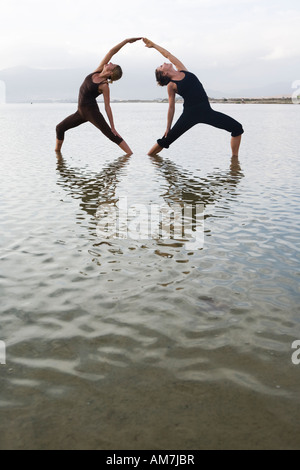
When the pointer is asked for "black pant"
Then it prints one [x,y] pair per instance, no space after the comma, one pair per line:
[193,115]
[84,114]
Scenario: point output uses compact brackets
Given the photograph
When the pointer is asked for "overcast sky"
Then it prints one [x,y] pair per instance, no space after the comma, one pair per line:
[231,43]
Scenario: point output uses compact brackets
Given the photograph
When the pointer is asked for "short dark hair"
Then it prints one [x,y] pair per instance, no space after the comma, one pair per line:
[116,74]
[161,79]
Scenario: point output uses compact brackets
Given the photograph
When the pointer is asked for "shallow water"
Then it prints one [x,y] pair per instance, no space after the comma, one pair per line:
[149,343]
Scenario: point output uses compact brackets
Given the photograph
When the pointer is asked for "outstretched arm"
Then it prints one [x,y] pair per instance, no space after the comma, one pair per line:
[106,97]
[123,145]
[113,51]
[176,62]
[171,109]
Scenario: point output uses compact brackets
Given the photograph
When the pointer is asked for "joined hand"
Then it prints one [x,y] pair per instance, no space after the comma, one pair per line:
[148,43]
[131,40]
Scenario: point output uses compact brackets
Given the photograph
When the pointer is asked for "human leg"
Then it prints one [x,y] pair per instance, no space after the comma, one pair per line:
[235,145]
[185,122]
[223,121]
[58,145]
[125,147]
[71,121]
[155,150]
[96,118]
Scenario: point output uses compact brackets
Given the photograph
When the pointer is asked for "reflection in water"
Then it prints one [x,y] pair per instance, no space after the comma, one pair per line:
[181,190]
[197,193]
[184,188]
[130,331]
[92,189]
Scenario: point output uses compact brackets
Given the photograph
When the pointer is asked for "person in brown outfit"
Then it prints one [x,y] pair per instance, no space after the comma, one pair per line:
[95,84]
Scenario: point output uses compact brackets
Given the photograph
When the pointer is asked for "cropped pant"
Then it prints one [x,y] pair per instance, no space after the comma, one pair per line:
[84,114]
[193,115]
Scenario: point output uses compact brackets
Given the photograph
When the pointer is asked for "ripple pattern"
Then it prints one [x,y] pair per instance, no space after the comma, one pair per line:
[147,342]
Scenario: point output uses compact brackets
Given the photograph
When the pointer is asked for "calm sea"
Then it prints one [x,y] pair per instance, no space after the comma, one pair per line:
[144,338]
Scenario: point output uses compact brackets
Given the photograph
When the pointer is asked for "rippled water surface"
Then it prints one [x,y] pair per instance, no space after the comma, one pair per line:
[150,342]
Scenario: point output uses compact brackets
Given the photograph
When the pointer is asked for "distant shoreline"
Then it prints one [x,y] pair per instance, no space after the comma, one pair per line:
[271,100]
[283,100]
[274,100]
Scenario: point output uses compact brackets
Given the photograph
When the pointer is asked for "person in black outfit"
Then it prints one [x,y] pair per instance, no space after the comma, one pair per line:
[196,107]
[96,83]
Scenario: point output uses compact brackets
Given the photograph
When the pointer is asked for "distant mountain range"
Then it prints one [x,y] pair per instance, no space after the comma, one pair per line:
[25,84]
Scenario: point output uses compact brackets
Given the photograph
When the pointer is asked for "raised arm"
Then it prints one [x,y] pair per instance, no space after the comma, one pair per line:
[176,62]
[113,51]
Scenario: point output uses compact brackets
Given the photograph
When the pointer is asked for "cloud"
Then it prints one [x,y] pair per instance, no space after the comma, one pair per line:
[207,35]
